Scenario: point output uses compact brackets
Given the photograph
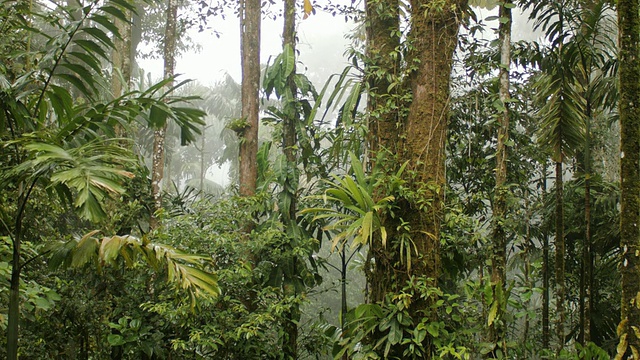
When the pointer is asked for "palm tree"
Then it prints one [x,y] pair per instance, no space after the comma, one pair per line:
[64,145]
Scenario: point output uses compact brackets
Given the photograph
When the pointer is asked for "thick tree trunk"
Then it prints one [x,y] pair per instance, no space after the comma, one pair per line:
[434,35]
[415,135]
[497,325]
[629,72]
[560,251]
[159,135]
[383,23]
[383,65]
[250,17]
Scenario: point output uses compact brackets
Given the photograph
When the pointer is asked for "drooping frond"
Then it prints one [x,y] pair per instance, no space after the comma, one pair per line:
[183,270]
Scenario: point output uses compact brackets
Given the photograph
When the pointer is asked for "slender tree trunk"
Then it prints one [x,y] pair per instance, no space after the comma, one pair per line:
[290,187]
[159,135]
[250,16]
[497,325]
[586,261]
[560,251]
[203,171]
[629,72]
[527,267]
[13,313]
[545,269]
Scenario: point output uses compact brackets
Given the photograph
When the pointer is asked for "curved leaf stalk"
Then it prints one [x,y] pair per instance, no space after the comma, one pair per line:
[59,58]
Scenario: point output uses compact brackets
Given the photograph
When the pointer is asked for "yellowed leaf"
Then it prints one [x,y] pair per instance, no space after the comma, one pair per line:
[622,347]
[621,326]
[308,9]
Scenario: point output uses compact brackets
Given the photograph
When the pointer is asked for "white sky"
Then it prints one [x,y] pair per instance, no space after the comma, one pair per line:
[321,43]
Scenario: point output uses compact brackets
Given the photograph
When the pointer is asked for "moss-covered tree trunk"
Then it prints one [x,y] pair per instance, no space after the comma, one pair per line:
[383,30]
[415,134]
[496,321]
[629,72]
[383,66]
[250,18]
[433,39]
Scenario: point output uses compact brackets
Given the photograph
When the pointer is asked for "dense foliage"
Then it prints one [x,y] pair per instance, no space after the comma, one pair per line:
[328,258]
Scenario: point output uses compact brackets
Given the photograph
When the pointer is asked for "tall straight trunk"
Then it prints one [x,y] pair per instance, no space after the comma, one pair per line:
[289,188]
[382,25]
[383,29]
[527,267]
[560,252]
[159,135]
[121,60]
[497,325]
[203,171]
[545,269]
[416,135]
[434,35]
[250,17]
[586,263]
[629,72]
[121,57]
[13,312]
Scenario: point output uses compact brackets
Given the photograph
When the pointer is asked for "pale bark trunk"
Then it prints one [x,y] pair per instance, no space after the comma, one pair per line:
[159,135]
[250,18]
[121,57]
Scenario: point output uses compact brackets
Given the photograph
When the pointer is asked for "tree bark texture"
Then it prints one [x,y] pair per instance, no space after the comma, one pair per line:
[629,72]
[383,67]
[385,126]
[250,17]
[416,137]
[159,135]
[121,60]
[121,57]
